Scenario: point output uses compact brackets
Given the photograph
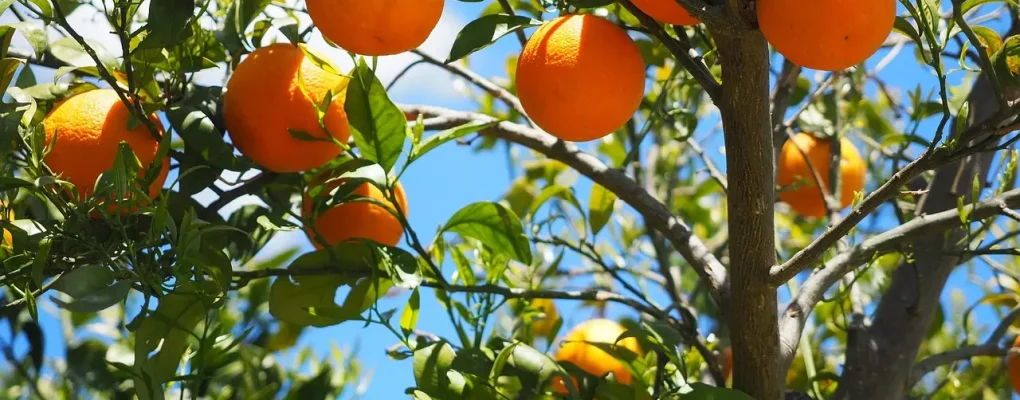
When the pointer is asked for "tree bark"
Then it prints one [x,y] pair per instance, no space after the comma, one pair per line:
[744,106]
[880,357]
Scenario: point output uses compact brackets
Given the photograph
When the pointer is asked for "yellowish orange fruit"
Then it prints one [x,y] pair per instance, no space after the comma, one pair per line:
[727,364]
[358,219]
[828,35]
[590,358]
[1013,365]
[8,239]
[806,199]
[89,128]
[376,28]
[666,11]
[544,327]
[580,77]
[273,92]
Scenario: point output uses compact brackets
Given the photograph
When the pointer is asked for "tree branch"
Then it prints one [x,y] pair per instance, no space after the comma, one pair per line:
[682,52]
[495,90]
[658,215]
[929,160]
[990,348]
[792,320]
[244,277]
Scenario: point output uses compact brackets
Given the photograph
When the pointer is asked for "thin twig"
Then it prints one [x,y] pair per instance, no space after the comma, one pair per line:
[507,8]
[497,91]
[680,51]
[660,218]
[990,348]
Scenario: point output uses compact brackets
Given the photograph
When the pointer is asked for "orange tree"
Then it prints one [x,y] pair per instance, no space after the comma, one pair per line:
[854,239]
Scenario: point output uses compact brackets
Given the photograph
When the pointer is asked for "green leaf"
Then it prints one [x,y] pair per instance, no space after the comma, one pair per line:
[431,364]
[447,135]
[35,34]
[42,255]
[409,318]
[71,53]
[168,18]
[600,207]
[201,136]
[35,337]
[484,31]
[701,391]
[614,391]
[378,126]
[8,67]
[11,183]
[307,299]
[83,280]
[968,5]
[239,17]
[534,367]
[495,226]
[169,328]
[97,300]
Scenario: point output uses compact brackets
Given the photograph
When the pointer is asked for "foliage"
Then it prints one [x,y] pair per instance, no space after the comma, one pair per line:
[171,298]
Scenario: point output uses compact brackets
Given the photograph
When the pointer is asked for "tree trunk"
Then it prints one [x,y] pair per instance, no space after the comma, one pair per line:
[880,357]
[744,107]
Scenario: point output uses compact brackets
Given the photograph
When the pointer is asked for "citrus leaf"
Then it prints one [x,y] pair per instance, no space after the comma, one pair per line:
[447,135]
[167,19]
[378,126]
[484,31]
[168,328]
[496,226]
[600,207]
[97,300]
[409,319]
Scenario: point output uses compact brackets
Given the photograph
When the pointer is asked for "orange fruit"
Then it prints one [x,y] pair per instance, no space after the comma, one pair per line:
[590,358]
[580,77]
[358,219]
[375,28]
[8,239]
[272,92]
[89,127]
[826,34]
[727,363]
[666,11]
[544,326]
[1013,365]
[806,199]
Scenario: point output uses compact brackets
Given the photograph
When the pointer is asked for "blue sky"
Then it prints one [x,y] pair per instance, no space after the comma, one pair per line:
[467,177]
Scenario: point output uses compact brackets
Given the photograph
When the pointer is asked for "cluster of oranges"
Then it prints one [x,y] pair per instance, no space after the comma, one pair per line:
[271,95]
[579,77]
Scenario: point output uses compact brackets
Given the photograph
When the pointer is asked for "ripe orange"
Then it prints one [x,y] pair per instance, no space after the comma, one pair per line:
[806,199]
[358,219]
[826,34]
[544,327]
[580,77]
[274,91]
[89,127]
[1013,365]
[727,364]
[590,358]
[376,28]
[8,239]
[666,11]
